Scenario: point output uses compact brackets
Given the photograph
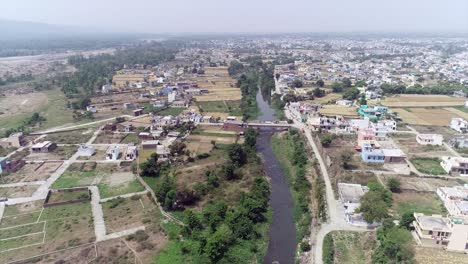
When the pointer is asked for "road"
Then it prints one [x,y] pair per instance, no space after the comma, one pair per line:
[336,215]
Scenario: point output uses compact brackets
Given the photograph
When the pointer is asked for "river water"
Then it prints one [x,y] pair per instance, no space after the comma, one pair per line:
[282,234]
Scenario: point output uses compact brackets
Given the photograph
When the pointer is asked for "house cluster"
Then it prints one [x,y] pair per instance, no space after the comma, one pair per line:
[350,196]
[449,232]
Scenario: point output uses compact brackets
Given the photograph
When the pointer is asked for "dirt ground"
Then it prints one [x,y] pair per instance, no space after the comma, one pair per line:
[421,184]
[412,148]
[334,110]
[32,172]
[60,153]
[128,214]
[108,138]
[16,192]
[16,104]
[438,256]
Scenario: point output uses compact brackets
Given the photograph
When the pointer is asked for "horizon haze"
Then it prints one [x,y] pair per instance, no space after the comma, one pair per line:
[210,16]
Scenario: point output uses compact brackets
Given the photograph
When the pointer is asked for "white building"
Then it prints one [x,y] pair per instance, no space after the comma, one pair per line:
[113,153]
[346,103]
[171,97]
[132,153]
[459,124]
[455,199]
[430,139]
[107,88]
[350,196]
[91,108]
[455,165]
[86,150]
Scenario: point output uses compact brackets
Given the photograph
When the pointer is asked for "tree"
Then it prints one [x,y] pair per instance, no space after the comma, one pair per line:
[177,148]
[351,94]
[214,214]
[318,92]
[326,140]
[236,154]
[337,87]
[346,82]
[218,242]
[192,222]
[241,226]
[346,160]
[363,100]
[393,185]
[150,167]
[170,200]
[228,171]
[373,208]
[320,83]
[395,246]
[277,76]
[407,220]
[250,138]
[213,143]
[297,83]
[360,83]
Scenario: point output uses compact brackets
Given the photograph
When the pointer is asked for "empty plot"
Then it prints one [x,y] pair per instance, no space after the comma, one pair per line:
[18,242]
[334,110]
[415,202]
[23,230]
[419,184]
[16,192]
[122,214]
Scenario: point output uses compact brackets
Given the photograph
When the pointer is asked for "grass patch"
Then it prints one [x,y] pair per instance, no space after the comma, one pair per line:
[413,202]
[107,191]
[231,107]
[21,230]
[21,219]
[21,241]
[349,247]
[66,211]
[171,111]
[130,138]
[428,165]
[72,179]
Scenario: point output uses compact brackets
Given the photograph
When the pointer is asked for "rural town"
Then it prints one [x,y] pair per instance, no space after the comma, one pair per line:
[232,148]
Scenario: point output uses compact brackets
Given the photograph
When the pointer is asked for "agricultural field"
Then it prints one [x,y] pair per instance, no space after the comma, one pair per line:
[425,116]
[328,98]
[200,141]
[353,247]
[416,100]
[334,110]
[112,180]
[221,109]
[219,84]
[31,172]
[46,230]
[427,203]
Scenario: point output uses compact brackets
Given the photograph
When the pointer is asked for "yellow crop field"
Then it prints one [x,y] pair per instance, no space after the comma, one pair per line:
[333,110]
[416,100]
[219,84]
[426,116]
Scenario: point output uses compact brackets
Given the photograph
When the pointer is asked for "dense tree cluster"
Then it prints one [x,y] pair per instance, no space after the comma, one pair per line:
[8,78]
[375,203]
[442,88]
[395,245]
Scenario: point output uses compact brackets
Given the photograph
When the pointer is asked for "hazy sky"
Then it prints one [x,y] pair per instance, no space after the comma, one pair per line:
[156,16]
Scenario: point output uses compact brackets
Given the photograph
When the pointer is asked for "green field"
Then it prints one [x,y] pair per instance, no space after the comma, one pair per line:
[21,230]
[420,203]
[353,247]
[107,191]
[231,107]
[171,111]
[428,165]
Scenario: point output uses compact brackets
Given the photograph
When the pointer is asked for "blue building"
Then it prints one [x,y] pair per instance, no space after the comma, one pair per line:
[373,113]
[369,154]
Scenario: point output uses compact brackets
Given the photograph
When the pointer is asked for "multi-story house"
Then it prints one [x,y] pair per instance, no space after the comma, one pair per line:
[455,165]
[459,124]
[430,139]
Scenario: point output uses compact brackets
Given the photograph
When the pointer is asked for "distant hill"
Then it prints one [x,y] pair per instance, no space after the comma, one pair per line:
[15,30]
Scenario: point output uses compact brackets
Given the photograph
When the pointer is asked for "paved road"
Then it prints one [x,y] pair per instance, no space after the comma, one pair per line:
[98,215]
[2,209]
[336,215]
[128,195]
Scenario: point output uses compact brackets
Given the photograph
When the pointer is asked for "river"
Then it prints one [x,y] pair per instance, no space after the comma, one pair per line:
[282,234]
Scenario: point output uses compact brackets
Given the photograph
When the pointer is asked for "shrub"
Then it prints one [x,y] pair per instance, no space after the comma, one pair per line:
[305,246]
[328,251]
